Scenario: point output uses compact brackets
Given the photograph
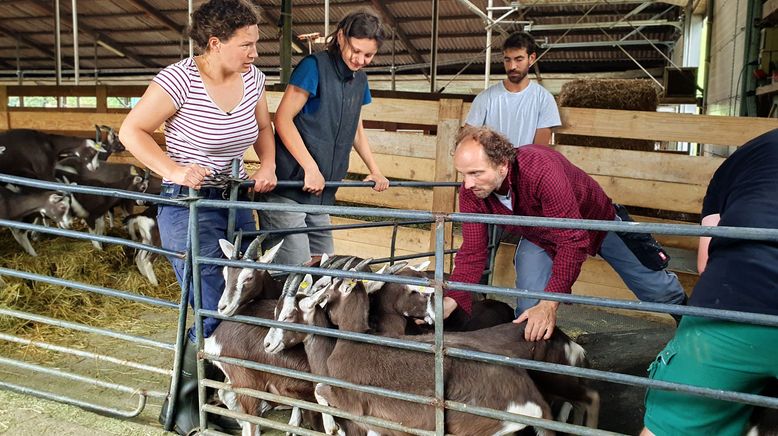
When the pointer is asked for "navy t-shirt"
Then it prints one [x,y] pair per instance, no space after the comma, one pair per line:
[306,76]
[743,274]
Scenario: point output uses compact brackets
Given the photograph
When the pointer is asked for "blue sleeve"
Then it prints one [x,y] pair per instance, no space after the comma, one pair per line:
[367,99]
[306,76]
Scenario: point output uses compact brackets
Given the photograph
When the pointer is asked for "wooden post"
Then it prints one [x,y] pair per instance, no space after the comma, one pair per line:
[101,93]
[444,199]
[4,121]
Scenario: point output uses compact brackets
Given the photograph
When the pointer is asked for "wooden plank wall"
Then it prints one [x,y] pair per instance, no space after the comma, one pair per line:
[651,180]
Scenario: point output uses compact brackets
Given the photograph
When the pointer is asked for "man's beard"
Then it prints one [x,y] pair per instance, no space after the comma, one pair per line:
[516,79]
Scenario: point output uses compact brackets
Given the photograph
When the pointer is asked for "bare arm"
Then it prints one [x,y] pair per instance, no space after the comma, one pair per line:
[291,104]
[265,147]
[542,136]
[136,134]
[702,250]
[363,150]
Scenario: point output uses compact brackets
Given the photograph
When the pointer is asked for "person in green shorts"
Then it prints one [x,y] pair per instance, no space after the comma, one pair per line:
[737,275]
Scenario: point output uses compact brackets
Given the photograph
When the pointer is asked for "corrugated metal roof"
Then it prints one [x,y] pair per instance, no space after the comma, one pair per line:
[151,38]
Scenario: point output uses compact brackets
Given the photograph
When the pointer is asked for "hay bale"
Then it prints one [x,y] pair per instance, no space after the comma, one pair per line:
[78,261]
[619,94]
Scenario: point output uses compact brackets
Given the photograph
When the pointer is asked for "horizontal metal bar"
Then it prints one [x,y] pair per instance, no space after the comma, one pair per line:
[530,421]
[262,422]
[602,25]
[595,374]
[74,402]
[645,306]
[358,184]
[85,328]
[334,333]
[86,354]
[88,288]
[267,396]
[409,256]
[752,233]
[80,378]
[368,225]
[302,375]
[73,234]
[332,210]
[85,189]
[628,42]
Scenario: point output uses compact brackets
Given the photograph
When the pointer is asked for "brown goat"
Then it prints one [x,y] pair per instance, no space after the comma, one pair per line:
[407,371]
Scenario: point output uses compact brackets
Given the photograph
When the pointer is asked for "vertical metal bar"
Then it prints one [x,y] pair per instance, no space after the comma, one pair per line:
[190,9]
[494,245]
[74,10]
[440,392]
[194,231]
[233,197]
[181,333]
[488,60]
[326,18]
[58,43]
[393,246]
[393,68]
[434,45]
[286,41]
[95,62]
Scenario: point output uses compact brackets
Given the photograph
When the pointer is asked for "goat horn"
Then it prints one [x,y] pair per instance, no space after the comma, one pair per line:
[295,284]
[350,261]
[252,253]
[286,292]
[397,267]
[361,265]
[337,264]
[236,246]
[328,262]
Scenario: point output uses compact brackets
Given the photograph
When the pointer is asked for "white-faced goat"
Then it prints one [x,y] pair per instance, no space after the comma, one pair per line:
[142,227]
[23,204]
[346,306]
[93,208]
[245,341]
[34,154]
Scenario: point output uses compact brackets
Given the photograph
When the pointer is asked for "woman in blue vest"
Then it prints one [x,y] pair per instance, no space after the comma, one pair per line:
[317,122]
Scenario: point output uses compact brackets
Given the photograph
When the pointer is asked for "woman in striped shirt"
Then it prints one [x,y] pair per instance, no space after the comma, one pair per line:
[214,108]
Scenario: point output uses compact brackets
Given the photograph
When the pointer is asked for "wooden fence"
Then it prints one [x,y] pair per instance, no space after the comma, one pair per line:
[650,180]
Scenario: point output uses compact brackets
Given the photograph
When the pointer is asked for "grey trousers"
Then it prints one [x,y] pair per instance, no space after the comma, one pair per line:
[297,247]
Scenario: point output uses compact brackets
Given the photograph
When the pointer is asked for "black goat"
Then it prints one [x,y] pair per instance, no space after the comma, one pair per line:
[34,154]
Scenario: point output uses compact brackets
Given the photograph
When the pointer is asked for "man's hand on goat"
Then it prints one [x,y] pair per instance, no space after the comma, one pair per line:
[541,320]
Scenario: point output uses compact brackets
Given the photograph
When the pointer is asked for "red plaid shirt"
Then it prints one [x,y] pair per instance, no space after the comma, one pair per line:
[543,183]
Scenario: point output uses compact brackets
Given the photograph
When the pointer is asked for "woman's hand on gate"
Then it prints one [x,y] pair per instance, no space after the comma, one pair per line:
[314,181]
[381,182]
[191,175]
[264,179]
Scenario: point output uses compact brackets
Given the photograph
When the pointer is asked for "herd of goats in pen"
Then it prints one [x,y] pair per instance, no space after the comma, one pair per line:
[361,306]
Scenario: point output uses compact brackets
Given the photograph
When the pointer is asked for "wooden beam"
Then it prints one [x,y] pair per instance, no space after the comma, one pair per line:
[16,35]
[702,129]
[157,16]
[388,18]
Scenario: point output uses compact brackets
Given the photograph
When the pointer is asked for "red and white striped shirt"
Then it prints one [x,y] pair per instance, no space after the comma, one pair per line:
[200,132]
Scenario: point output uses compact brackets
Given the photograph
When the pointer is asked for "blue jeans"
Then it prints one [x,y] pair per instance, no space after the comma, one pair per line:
[533,270]
[173,224]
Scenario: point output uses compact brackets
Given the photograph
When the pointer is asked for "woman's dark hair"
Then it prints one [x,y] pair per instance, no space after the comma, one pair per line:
[521,40]
[221,18]
[497,147]
[361,25]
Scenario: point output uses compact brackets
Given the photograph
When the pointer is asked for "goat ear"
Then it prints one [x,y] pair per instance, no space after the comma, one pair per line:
[227,248]
[306,285]
[269,255]
[421,267]
[373,285]
[347,285]
[324,258]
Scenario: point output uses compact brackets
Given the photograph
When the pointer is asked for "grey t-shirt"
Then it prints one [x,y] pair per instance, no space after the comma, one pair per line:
[515,114]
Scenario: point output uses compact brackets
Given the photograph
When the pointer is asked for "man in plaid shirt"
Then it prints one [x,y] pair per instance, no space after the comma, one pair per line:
[536,180]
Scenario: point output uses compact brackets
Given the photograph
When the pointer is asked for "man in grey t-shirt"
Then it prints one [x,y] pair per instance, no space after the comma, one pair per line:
[518,108]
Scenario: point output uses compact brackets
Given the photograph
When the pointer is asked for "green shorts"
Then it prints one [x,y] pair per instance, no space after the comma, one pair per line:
[714,354]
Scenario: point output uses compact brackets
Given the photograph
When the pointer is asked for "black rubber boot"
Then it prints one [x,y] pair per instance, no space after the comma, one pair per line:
[186,417]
